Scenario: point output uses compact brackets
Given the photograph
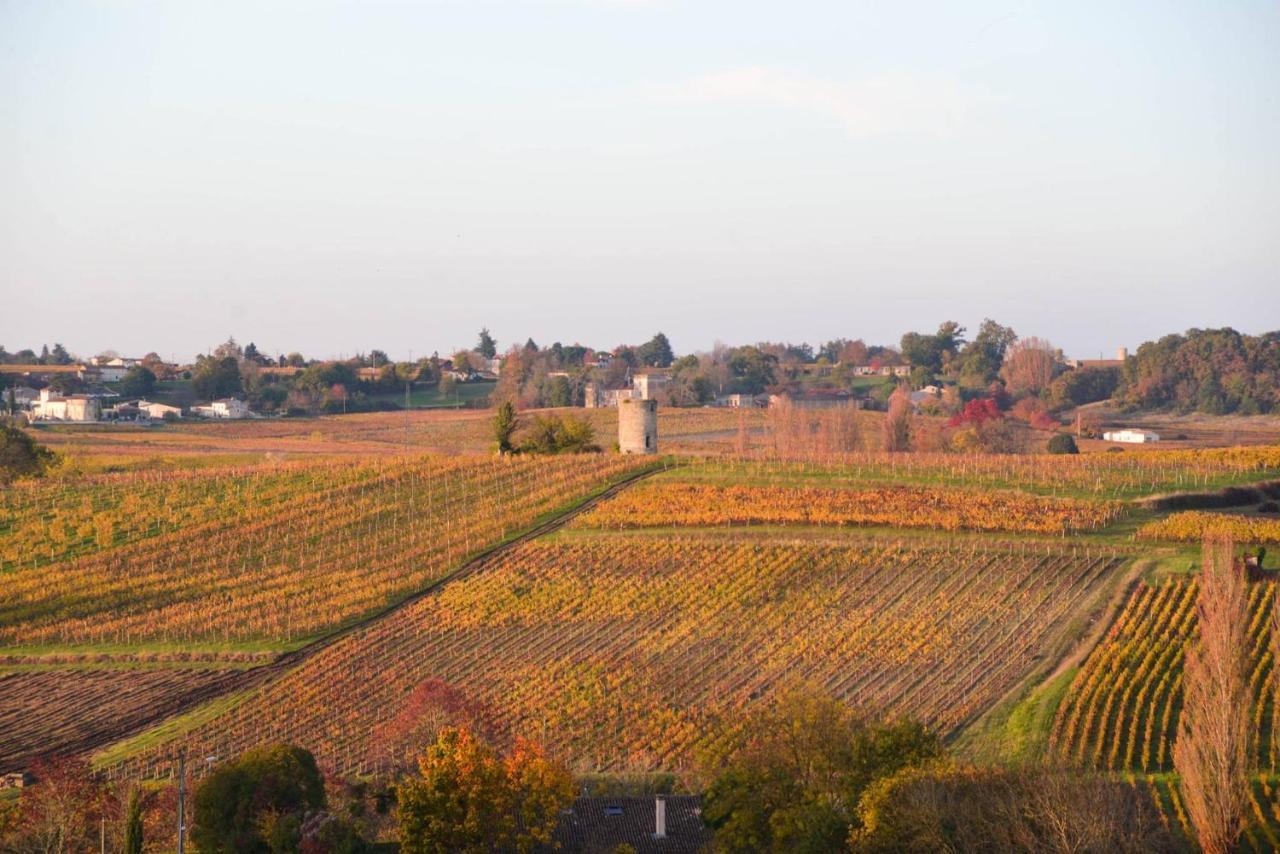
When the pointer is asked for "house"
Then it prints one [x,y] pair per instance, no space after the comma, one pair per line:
[647,382]
[1131,436]
[369,375]
[15,780]
[1122,354]
[228,408]
[596,396]
[51,406]
[158,410]
[671,824]
[492,366]
[738,401]
[23,396]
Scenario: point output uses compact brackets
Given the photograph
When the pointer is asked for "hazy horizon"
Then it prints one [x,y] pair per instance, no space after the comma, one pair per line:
[332,178]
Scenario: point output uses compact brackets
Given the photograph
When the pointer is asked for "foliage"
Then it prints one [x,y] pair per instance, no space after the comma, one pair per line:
[133,830]
[942,807]
[467,798]
[795,771]
[751,370]
[933,352]
[505,424]
[976,412]
[20,455]
[656,352]
[61,811]
[1212,751]
[981,359]
[139,382]
[560,434]
[246,804]
[1081,386]
[1214,371]
[486,346]
[1062,443]
[1030,367]
[215,378]
[897,423]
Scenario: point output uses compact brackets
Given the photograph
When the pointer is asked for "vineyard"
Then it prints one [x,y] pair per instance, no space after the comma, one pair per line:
[274,552]
[1192,525]
[631,652]
[1121,710]
[673,503]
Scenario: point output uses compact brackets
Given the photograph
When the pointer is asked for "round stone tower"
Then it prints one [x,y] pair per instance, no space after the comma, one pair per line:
[638,426]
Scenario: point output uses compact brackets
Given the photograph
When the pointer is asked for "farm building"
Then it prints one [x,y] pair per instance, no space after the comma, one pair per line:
[158,410]
[739,401]
[52,406]
[1136,437]
[597,396]
[671,824]
[228,407]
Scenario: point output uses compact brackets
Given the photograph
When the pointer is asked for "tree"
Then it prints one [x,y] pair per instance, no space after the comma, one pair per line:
[751,370]
[656,352]
[1062,443]
[233,804]
[467,798]
[61,811]
[560,434]
[794,773]
[897,422]
[1212,749]
[139,382]
[59,355]
[1030,366]
[505,424]
[216,377]
[20,456]
[133,822]
[933,352]
[486,346]
[980,360]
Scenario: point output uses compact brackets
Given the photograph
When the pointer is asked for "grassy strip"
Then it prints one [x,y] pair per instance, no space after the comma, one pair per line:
[167,731]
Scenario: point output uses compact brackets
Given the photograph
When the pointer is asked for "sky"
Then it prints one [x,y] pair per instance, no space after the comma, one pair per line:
[335,177]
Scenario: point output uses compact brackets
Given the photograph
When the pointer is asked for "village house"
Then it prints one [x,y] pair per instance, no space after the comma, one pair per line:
[158,410]
[597,396]
[647,382]
[228,408]
[740,401]
[666,824]
[51,406]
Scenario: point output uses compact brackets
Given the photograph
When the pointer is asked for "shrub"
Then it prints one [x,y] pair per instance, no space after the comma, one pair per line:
[1062,443]
[248,804]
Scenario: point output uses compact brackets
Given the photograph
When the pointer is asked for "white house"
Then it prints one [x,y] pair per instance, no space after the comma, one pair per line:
[647,381]
[158,410]
[228,407]
[1131,436]
[52,406]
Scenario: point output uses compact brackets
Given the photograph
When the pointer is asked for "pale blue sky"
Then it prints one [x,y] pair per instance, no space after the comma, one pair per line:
[334,177]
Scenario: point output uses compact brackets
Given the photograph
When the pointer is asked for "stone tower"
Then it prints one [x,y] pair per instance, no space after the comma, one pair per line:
[638,426]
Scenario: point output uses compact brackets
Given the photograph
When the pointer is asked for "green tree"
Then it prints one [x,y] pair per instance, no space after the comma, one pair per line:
[215,378]
[487,346]
[133,822]
[933,352]
[656,352]
[233,804]
[980,360]
[560,434]
[505,423]
[20,456]
[751,370]
[59,355]
[793,775]
[1062,443]
[466,798]
[139,382]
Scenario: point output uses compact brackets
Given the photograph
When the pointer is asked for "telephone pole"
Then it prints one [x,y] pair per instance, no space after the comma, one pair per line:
[182,801]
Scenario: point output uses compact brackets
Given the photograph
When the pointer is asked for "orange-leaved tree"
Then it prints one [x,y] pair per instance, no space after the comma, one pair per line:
[467,798]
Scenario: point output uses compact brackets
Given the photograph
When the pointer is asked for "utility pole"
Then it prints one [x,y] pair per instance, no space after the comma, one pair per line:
[182,801]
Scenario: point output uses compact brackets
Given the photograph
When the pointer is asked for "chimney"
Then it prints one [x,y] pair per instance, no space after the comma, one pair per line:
[660,817]
[1122,353]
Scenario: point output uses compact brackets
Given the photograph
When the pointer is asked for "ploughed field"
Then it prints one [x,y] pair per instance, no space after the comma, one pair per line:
[630,652]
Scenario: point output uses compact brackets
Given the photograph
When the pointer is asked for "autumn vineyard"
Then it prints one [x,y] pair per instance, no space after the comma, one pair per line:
[349,583]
